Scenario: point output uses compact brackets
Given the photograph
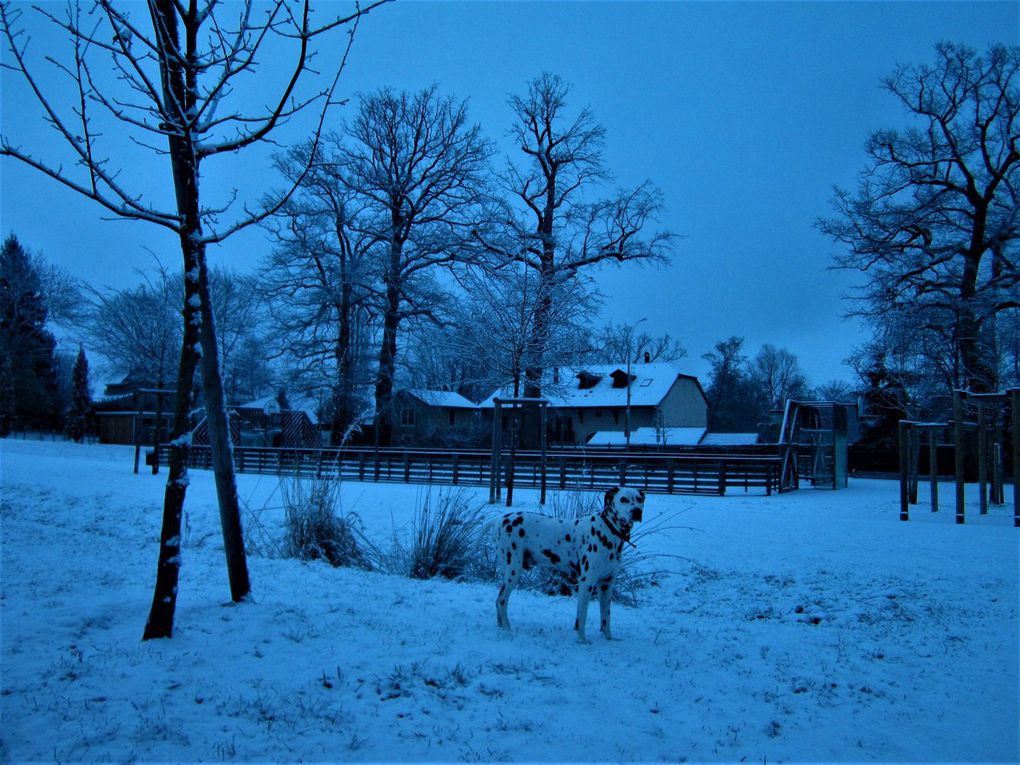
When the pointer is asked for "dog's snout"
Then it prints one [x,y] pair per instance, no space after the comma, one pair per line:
[636,513]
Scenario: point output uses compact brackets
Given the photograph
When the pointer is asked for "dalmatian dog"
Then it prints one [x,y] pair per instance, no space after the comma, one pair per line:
[587,549]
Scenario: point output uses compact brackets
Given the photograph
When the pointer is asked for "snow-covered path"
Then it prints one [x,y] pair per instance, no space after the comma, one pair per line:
[812,626]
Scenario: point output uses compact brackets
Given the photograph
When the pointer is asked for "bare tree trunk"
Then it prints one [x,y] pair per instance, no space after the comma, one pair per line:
[160,623]
[387,367]
[221,445]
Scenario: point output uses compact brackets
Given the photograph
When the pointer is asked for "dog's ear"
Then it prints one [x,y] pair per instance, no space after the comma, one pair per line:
[641,496]
[610,495]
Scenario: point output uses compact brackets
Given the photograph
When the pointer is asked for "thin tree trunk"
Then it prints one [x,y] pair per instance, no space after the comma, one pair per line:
[221,445]
[160,623]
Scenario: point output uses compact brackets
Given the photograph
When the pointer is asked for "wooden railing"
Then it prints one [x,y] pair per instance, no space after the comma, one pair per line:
[679,473]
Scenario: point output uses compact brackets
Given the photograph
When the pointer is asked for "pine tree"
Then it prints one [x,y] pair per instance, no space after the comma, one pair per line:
[24,339]
[7,410]
[81,397]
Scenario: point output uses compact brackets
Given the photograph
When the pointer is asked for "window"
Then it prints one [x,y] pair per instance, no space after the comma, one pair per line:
[407,417]
[453,417]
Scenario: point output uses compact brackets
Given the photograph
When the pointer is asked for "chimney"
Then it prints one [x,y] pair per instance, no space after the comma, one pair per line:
[648,357]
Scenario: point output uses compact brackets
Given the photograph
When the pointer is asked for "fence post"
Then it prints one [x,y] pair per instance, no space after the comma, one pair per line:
[958,447]
[722,479]
[902,427]
[670,476]
[1014,409]
[982,456]
[933,468]
[456,466]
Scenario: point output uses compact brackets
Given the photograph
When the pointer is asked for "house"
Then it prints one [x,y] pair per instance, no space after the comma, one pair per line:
[434,418]
[130,409]
[653,398]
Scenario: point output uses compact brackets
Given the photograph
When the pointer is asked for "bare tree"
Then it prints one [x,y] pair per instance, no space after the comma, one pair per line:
[495,321]
[615,343]
[776,373]
[418,168]
[551,223]
[936,215]
[175,92]
[137,329]
[319,277]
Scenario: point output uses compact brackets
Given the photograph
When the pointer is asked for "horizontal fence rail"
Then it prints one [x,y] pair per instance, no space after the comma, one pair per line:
[680,473]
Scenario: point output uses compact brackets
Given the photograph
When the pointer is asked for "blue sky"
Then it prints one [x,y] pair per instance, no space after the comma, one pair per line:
[745,114]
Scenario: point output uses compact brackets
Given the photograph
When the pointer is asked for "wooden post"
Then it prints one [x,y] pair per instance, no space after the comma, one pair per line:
[544,410]
[722,479]
[982,457]
[958,453]
[914,445]
[156,432]
[904,450]
[136,434]
[1014,413]
[933,468]
[496,449]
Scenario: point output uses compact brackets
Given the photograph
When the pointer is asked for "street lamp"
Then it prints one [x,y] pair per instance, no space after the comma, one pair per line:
[630,344]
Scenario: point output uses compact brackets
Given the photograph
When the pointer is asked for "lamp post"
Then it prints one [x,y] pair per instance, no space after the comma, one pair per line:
[630,345]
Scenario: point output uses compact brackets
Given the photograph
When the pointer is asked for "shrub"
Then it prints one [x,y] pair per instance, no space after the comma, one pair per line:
[315,528]
[443,540]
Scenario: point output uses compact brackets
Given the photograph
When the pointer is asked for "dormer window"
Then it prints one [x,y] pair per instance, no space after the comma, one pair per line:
[587,379]
[621,379]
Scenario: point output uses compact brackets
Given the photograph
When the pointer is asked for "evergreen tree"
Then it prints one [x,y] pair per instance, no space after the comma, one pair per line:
[6,396]
[81,397]
[24,339]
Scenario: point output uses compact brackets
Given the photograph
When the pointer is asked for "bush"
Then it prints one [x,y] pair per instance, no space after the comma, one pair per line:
[443,540]
[315,529]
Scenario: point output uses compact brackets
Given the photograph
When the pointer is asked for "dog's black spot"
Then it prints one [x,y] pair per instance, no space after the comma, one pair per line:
[521,532]
[584,562]
[509,557]
[517,521]
[513,545]
[508,529]
[528,561]
[566,538]
[612,556]
[553,557]
[604,587]
[513,572]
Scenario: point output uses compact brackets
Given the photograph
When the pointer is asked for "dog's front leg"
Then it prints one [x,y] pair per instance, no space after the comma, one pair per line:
[583,596]
[605,596]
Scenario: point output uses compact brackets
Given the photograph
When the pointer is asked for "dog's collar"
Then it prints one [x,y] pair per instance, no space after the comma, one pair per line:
[616,532]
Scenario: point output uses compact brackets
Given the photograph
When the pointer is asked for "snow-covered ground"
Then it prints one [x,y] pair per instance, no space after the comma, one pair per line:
[812,626]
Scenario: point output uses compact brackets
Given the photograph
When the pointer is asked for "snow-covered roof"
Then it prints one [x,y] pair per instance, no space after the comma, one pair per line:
[446,398]
[563,386]
[729,439]
[649,437]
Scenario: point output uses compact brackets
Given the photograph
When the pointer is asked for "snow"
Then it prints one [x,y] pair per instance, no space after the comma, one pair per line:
[445,398]
[810,626]
[651,383]
[672,436]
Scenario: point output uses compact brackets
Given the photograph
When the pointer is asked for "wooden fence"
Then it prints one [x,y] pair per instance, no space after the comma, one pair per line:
[687,473]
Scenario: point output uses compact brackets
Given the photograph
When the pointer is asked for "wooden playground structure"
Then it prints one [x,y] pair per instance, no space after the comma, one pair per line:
[984,415]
